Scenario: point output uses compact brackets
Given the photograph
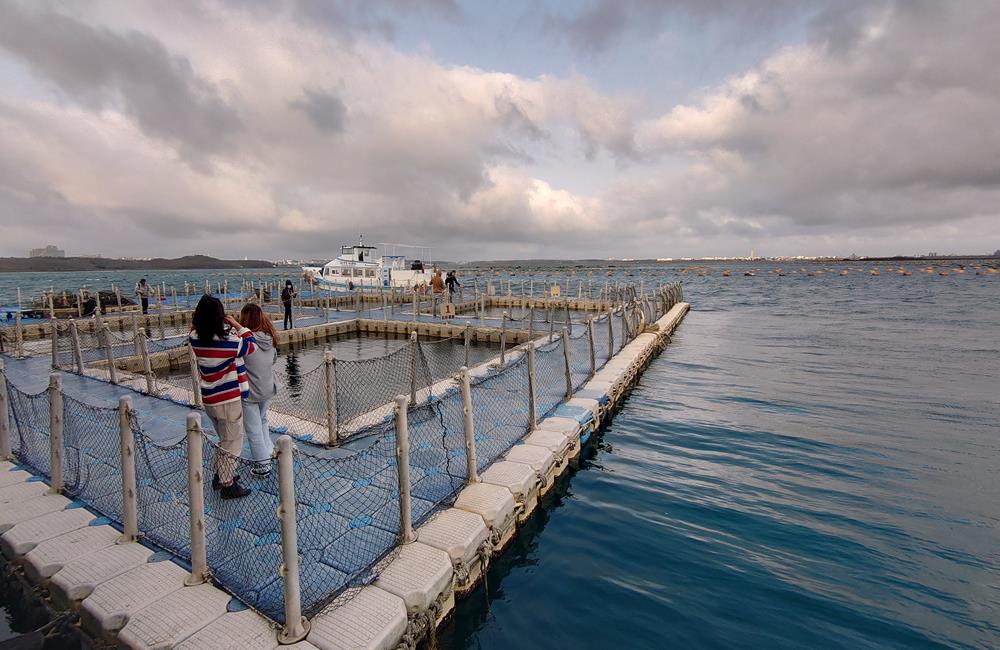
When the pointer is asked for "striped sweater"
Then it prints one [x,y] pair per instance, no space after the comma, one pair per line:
[220,366]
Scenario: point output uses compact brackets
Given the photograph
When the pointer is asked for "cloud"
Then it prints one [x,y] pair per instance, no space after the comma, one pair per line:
[133,71]
[252,130]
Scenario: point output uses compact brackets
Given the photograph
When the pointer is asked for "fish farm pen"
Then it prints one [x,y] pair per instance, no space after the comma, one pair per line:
[414,436]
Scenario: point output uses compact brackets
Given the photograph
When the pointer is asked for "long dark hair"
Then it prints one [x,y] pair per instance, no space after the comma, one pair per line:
[209,319]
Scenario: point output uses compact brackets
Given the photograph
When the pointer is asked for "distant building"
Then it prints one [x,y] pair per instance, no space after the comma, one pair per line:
[48,251]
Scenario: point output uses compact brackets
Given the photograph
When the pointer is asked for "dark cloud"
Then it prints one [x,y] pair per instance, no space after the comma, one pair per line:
[131,70]
[325,110]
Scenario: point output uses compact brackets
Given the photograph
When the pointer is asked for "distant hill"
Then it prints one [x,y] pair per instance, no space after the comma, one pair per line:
[47,264]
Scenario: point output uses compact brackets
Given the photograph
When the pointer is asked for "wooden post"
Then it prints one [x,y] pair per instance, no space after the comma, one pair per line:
[74,335]
[173,297]
[532,405]
[146,366]
[296,626]
[414,304]
[503,339]
[55,343]
[611,336]
[195,377]
[415,352]
[470,434]
[569,372]
[79,304]
[118,299]
[403,470]
[593,352]
[196,501]
[18,334]
[5,448]
[130,511]
[55,433]
[109,354]
[331,397]
[468,341]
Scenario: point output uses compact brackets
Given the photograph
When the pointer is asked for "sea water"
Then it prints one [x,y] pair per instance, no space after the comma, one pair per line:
[813,462]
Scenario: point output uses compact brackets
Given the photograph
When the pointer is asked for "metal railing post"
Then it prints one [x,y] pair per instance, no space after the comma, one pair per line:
[109,353]
[331,397]
[532,403]
[470,433]
[414,304]
[593,352]
[196,501]
[503,340]
[413,366]
[531,320]
[147,368]
[403,469]
[569,319]
[55,433]
[130,510]
[569,372]
[296,626]
[5,449]
[195,376]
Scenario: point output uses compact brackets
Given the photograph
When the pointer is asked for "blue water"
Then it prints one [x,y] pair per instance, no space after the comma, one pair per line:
[813,462]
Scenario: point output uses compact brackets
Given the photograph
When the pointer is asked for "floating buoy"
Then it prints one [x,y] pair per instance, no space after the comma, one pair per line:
[944,273]
[811,275]
[725,274]
[844,273]
[875,272]
[907,273]
[748,274]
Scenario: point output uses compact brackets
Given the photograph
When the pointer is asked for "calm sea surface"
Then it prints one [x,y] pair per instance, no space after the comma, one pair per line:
[812,462]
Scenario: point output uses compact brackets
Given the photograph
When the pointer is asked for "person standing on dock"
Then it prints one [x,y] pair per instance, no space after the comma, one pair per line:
[220,345]
[437,283]
[142,290]
[287,294]
[452,282]
[263,386]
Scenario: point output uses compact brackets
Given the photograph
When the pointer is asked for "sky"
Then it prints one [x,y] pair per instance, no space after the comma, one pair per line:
[276,129]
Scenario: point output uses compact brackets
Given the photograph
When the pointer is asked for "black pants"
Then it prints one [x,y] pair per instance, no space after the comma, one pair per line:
[145,305]
[288,316]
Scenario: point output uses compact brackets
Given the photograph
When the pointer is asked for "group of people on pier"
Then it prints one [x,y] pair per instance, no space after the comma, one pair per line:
[237,381]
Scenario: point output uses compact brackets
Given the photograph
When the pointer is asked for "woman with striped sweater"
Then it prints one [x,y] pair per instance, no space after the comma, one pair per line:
[220,343]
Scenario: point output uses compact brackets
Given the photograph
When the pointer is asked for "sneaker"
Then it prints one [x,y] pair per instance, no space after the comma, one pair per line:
[233,490]
[261,469]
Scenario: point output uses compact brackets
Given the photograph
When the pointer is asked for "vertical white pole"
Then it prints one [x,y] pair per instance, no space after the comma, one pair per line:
[130,512]
[5,449]
[532,405]
[18,333]
[331,397]
[296,627]
[470,433]
[403,468]
[55,433]
[611,336]
[196,501]
[569,372]
[195,377]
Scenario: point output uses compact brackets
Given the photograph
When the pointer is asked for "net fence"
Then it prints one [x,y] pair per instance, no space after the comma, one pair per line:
[500,410]
[91,456]
[29,419]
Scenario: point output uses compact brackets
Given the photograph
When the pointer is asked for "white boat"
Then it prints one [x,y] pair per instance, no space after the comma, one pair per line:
[359,266]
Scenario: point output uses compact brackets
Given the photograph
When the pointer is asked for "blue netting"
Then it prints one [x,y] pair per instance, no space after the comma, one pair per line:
[92,456]
[29,416]
[550,376]
[601,341]
[500,410]
[579,357]
[438,466]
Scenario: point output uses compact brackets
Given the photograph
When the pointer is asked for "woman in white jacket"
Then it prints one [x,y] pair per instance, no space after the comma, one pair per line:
[263,386]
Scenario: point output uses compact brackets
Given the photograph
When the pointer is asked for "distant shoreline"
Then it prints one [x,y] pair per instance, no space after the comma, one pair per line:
[190,262]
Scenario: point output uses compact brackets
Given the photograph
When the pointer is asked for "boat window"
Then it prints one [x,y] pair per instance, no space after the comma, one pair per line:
[346,272]
[370,273]
[358,273]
